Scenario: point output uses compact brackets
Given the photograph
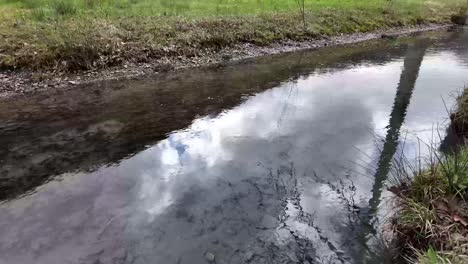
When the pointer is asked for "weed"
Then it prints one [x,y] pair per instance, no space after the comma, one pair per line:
[302,10]
[432,257]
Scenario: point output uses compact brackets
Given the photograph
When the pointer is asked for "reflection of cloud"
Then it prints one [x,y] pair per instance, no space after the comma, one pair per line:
[245,144]
[207,182]
[318,137]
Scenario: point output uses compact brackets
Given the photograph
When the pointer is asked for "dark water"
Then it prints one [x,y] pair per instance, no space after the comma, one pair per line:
[280,160]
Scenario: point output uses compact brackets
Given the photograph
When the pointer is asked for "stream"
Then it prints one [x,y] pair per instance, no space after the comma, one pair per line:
[278,159]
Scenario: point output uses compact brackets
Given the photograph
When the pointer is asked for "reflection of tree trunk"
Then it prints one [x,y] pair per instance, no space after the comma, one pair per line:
[412,64]
[405,89]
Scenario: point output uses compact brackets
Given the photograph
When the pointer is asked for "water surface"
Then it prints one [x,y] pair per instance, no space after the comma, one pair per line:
[279,160]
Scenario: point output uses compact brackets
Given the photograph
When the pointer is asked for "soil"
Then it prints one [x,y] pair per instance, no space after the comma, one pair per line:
[23,82]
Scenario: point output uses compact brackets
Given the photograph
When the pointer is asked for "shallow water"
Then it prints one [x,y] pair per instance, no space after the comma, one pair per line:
[279,160]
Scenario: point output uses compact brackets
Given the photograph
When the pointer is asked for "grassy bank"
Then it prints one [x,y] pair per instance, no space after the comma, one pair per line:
[70,35]
[459,118]
[431,223]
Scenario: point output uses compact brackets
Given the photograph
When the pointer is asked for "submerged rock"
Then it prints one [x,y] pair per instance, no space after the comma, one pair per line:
[389,36]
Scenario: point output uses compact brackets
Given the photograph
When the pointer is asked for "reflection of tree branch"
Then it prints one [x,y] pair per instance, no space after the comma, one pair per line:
[341,190]
[292,86]
[292,196]
[286,103]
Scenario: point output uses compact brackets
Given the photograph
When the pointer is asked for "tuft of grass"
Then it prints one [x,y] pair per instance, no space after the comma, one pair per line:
[432,211]
[64,7]
[419,217]
[432,256]
[454,169]
[39,14]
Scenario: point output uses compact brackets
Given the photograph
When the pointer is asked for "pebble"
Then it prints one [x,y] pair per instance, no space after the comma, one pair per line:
[210,256]
[249,255]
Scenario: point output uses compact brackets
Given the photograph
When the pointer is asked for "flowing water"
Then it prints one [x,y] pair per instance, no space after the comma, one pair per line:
[281,159]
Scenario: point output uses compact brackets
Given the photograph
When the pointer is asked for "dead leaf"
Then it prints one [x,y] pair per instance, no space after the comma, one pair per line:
[458,218]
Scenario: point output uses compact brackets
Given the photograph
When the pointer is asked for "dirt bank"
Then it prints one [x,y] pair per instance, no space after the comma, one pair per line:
[18,82]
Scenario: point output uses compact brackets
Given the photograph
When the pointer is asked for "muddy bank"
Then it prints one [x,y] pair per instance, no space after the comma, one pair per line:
[14,83]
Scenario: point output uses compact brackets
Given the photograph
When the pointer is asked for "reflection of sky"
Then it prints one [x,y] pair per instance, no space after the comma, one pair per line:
[223,184]
[440,79]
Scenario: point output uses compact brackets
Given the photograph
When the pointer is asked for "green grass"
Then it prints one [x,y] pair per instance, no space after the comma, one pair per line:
[71,35]
[432,256]
[196,8]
